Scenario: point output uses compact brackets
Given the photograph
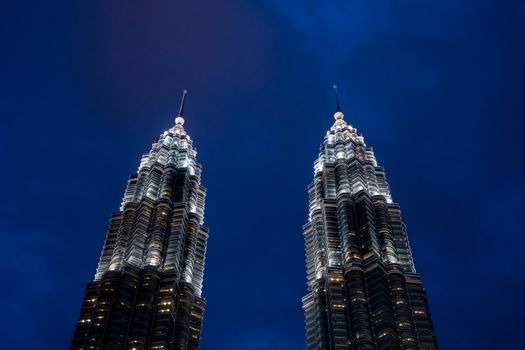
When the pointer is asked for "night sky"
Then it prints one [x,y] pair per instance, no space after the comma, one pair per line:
[436,87]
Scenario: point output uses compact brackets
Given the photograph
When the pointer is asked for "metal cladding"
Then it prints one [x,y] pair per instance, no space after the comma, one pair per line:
[147,289]
[364,292]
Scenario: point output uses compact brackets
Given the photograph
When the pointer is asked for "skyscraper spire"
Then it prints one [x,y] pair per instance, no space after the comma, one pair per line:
[180,118]
[337,105]
[338,115]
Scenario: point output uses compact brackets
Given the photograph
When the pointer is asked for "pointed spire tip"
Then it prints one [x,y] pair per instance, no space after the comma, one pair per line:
[180,118]
[181,109]
[338,114]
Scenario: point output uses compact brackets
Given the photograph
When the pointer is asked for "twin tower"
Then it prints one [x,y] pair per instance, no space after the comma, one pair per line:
[363,290]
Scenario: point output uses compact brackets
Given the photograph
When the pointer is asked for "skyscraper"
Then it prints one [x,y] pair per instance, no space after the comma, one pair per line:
[364,292]
[146,293]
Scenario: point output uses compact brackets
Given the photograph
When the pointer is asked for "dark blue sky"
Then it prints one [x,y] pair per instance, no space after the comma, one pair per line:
[436,87]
